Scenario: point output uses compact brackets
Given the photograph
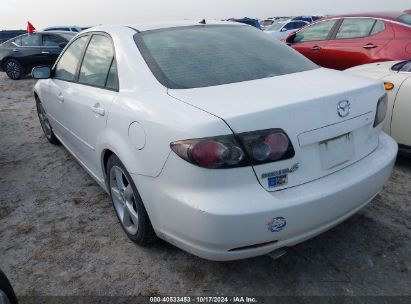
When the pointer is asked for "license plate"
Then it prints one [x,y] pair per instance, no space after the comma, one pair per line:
[336,151]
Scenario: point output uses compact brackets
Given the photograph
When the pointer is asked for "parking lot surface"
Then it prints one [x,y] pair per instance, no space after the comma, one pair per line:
[59,234]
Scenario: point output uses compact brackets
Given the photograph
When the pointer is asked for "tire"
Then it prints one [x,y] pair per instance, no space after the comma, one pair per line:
[6,289]
[14,69]
[128,204]
[45,124]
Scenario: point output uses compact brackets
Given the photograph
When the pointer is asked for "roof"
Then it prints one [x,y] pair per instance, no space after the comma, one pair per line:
[161,25]
[383,15]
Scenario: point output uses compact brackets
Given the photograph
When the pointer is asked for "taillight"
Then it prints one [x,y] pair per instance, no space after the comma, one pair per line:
[267,145]
[213,152]
[381,112]
[229,151]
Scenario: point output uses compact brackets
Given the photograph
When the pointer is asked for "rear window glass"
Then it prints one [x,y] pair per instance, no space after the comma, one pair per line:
[355,28]
[379,26]
[406,19]
[202,56]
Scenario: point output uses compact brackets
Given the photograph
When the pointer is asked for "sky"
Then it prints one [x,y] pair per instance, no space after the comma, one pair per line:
[14,14]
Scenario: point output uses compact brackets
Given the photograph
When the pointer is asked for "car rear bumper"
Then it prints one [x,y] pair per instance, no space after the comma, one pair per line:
[214,222]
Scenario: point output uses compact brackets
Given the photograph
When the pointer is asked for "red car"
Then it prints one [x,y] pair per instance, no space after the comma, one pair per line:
[345,41]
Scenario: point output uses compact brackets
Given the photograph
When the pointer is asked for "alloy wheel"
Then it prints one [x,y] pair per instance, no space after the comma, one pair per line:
[123,199]
[13,70]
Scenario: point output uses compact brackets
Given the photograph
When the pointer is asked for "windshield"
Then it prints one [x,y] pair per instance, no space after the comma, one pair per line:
[276,27]
[404,66]
[406,19]
[202,56]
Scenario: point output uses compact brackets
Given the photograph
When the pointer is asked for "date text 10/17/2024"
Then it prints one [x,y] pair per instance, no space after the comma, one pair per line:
[204,299]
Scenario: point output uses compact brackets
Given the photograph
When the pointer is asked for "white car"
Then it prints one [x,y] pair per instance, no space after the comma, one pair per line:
[223,150]
[282,29]
[397,78]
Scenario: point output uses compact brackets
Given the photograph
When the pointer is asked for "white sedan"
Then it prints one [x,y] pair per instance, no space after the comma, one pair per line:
[223,150]
[397,78]
[282,29]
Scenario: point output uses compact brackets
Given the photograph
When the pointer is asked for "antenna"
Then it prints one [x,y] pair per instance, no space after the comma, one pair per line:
[203,21]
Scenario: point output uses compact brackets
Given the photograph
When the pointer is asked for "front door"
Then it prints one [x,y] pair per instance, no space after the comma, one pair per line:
[311,41]
[64,74]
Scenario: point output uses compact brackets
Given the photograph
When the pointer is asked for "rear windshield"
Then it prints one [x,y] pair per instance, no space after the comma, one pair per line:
[406,19]
[210,55]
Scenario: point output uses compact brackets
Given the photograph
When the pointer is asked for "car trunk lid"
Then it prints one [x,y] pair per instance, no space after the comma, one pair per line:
[305,106]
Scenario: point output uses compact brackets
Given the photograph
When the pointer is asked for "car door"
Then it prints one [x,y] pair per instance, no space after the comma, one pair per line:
[88,100]
[51,47]
[311,40]
[357,41]
[63,76]
[400,121]
[27,50]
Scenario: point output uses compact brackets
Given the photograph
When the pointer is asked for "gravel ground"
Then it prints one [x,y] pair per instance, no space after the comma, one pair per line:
[59,234]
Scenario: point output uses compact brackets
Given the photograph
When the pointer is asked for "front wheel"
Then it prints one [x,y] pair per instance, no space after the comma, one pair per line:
[127,203]
[14,69]
[45,123]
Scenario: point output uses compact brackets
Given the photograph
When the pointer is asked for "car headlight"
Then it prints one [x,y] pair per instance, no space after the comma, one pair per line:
[382,107]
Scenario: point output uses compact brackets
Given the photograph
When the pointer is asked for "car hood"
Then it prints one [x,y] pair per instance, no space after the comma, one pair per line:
[377,70]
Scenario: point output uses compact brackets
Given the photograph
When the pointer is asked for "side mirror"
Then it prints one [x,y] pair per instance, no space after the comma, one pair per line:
[62,45]
[283,29]
[290,39]
[41,72]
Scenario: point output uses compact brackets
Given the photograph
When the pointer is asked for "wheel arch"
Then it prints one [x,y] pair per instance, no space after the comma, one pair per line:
[105,155]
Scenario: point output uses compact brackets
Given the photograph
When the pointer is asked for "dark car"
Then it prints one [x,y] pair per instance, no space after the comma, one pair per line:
[19,55]
[6,35]
[308,19]
[249,21]
[343,42]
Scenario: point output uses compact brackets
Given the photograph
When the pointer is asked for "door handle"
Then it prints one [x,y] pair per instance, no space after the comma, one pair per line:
[15,50]
[60,97]
[316,48]
[45,52]
[98,110]
[370,46]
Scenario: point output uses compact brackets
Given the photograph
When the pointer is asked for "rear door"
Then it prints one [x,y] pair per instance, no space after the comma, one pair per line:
[312,40]
[88,100]
[51,47]
[357,41]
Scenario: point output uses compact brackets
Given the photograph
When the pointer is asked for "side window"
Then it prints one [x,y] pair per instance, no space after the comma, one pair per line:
[355,28]
[379,27]
[17,41]
[300,24]
[97,61]
[67,65]
[112,78]
[316,32]
[290,26]
[30,40]
[51,40]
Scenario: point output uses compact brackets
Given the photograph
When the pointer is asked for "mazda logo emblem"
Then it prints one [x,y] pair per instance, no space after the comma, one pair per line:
[343,108]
